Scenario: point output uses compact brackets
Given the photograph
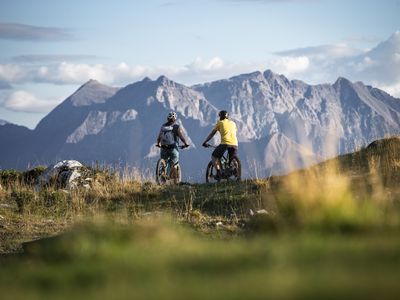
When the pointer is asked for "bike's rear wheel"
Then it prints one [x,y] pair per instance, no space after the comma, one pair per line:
[211,173]
[235,169]
[161,171]
[233,173]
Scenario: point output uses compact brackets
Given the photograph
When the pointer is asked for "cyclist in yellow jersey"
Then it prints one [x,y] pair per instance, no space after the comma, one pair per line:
[227,130]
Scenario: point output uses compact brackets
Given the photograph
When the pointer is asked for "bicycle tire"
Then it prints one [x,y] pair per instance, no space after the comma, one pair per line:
[210,173]
[161,175]
[236,166]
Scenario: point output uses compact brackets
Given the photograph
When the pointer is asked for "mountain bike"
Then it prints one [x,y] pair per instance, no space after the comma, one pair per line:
[231,169]
[164,168]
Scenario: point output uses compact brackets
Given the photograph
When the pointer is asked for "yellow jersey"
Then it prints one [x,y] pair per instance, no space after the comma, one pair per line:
[227,130]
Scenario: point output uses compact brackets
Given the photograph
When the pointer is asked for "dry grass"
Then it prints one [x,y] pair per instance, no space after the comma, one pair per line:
[355,192]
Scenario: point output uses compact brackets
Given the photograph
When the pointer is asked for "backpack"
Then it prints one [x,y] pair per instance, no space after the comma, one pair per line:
[169,134]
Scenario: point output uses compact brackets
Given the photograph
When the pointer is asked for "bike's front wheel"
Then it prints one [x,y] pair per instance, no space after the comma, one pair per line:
[211,173]
[161,171]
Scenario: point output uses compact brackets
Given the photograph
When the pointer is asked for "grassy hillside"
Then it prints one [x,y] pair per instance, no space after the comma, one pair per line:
[326,232]
[154,259]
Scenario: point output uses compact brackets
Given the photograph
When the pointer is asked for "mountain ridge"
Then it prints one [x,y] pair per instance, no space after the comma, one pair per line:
[276,117]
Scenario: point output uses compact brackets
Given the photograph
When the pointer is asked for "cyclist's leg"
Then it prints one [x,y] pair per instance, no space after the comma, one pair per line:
[164,154]
[216,155]
[174,158]
[232,152]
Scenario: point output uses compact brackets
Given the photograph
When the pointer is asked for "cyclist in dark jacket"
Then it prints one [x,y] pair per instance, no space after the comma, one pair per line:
[168,140]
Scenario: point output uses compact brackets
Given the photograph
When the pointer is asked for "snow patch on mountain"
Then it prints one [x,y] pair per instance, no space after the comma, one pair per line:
[93,124]
[183,100]
[96,121]
[129,115]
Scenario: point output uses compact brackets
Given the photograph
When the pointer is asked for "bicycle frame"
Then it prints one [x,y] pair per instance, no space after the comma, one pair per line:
[168,167]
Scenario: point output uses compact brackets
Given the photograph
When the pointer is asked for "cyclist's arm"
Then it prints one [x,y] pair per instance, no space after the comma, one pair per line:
[159,139]
[209,137]
[182,137]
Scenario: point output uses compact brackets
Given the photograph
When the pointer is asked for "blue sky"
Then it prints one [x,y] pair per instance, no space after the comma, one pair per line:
[49,48]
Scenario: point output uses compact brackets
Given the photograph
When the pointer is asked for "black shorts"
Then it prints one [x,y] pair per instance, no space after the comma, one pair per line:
[220,150]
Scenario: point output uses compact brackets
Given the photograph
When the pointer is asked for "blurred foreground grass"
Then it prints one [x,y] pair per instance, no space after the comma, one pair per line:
[331,231]
[156,259]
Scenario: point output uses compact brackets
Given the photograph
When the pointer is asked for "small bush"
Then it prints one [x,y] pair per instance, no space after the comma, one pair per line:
[23,198]
[9,177]
[54,198]
[30,177]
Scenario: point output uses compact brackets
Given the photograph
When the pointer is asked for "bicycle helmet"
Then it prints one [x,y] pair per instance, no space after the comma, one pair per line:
[223,114]
[171,115]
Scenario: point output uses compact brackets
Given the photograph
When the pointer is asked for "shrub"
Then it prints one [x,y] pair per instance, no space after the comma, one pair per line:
[9,177]
[23,198]
[30,177]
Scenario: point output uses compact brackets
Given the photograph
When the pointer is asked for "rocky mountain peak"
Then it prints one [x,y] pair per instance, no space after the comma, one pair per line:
[163,80]
[342,83]
[92,82]
[280,122]
[92,92]
[273,78]
[255,76]
[146,79]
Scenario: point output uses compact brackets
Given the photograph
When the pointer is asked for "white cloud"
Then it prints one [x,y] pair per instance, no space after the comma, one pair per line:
[12,73]
[23,101]
[78,73]
[199,65]
[198,71]
[289,65]
[393,89]
[118,74]
[379,66]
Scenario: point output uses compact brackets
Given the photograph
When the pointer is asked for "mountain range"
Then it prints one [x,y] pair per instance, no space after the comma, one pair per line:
[282,124]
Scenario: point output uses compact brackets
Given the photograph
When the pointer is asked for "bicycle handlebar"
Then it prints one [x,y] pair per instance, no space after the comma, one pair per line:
[180,147]
[209,146]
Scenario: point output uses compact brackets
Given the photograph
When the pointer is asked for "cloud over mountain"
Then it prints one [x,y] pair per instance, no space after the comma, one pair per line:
[379,66]
[27,102]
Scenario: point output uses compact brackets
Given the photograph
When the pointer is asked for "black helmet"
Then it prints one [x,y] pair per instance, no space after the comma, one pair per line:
[223,114]
[171,116]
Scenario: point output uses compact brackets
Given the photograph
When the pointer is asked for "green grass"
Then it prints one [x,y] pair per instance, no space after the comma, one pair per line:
[156,259]
[331,231]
